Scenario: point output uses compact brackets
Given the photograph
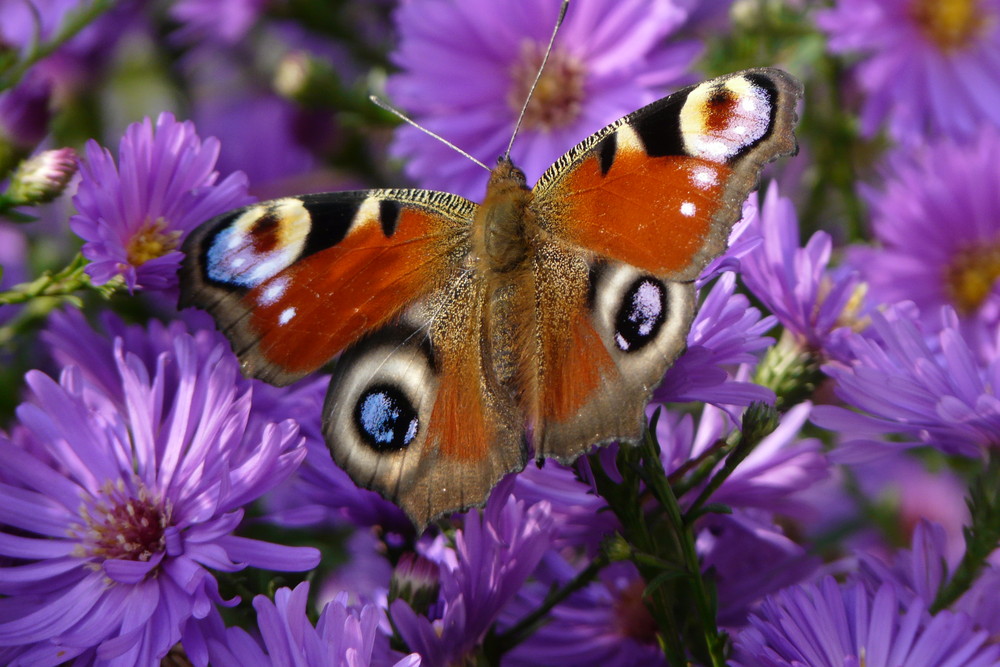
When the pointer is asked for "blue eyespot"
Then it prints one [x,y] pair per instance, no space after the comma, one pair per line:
[385,418]
[641,314]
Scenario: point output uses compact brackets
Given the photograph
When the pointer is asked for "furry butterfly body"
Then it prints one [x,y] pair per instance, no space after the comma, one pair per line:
[464,333]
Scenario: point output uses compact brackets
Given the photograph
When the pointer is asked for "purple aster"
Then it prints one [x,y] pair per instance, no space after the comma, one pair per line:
[749,556]
[493,556]
[831,625]
[780,466]
[928,67]
[342,637]
[135,215]
[467,67]
[921,570]
[114,506]
[936,391]
[578,519]
[726,334]
[318,491]
[215,21]
[605,624]
[812,301]
[937,221]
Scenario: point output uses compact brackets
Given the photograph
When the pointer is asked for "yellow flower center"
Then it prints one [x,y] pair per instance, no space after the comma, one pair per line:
[972,274]
[951,24]
[151,241]
[559,95]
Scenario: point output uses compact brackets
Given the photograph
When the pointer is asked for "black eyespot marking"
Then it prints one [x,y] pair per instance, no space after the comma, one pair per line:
[641,314]
[385,419]
[606,152]
[388,213]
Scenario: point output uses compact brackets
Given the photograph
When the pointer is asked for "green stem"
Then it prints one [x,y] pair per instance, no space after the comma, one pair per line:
[981,535]
[702,598]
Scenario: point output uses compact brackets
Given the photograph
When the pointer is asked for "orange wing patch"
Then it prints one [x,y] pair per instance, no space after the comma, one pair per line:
[322,303]
[653,213]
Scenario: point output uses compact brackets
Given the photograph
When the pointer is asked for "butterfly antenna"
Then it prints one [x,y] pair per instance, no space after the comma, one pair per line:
[382,104]
[538,75]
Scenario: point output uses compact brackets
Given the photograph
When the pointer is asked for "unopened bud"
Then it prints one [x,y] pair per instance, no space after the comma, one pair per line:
[43,177]
[416,580]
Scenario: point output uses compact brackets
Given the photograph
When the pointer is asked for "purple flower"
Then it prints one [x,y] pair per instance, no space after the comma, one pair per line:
[467,68]
[343,636]
[928,66]
[921,570]
[812,301]
[726,333]
[135,215]
[935,391]
[115,504]
[606,624]
[831,625]
[937,220]
[749,556]
[317,492]
[493,556]
[215,21]
[780,466]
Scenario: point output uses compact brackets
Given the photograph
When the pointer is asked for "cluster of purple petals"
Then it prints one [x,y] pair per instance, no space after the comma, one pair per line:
[121,491]
[879,616]
[343,636]
[135,213]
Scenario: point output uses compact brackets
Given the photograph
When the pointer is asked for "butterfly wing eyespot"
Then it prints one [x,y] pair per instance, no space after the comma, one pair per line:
[646,202]
[411,414]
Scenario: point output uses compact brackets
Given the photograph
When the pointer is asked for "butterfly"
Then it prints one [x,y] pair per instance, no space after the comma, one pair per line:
[465,335]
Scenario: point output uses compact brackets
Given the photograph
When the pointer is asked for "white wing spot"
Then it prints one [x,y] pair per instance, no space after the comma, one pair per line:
[688,209]
[286,316]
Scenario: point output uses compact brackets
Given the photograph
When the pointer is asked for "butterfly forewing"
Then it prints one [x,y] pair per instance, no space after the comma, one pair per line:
[292,282]
[648,201]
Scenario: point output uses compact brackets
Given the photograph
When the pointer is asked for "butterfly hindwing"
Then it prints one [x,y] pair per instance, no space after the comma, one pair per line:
[413,412]
[294,281]
[646,203]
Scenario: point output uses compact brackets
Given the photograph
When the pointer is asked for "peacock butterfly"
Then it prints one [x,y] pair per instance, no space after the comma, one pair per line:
[463,331]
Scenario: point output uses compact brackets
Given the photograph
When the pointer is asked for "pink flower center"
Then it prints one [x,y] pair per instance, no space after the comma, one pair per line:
[951,24]
[558,97]
[152,240]
[972,274]
[120,526]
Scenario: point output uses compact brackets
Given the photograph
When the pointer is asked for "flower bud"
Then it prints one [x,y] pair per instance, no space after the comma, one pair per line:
[416,580]
[43,177]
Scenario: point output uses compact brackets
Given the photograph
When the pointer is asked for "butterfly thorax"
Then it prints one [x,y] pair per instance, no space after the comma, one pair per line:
[505,222]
